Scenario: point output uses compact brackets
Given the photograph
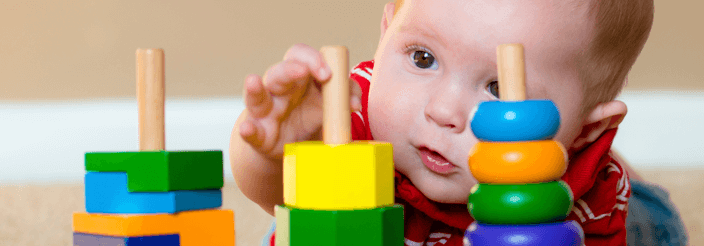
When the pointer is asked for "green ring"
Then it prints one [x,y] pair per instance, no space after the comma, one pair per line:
[520,203]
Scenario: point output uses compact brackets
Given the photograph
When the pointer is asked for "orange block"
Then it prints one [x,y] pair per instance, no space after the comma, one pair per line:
[198,227]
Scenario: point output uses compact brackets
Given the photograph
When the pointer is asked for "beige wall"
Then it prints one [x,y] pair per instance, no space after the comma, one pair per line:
[673,58]
[85,48]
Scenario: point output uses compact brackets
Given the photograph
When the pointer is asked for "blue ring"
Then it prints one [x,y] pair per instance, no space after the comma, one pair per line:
[504,121]
[567,233]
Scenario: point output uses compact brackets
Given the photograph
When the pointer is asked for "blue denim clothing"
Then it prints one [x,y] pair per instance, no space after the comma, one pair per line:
[267,237]
[652,218]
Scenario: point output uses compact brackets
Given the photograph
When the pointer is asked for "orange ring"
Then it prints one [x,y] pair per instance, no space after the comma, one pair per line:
[518,162]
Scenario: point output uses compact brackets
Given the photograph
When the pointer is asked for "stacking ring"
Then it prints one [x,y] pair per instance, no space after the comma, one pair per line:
[517,162]
[567,233]
[508,121]
[520,203]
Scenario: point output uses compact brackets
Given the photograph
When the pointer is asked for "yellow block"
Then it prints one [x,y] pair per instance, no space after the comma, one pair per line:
[198,227]
[518,162]
[358,175]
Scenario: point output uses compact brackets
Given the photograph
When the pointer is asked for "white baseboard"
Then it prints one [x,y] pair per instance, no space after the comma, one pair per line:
[46,141]
[662,129]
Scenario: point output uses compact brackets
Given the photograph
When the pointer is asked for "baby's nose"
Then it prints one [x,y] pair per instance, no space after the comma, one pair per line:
[446,115]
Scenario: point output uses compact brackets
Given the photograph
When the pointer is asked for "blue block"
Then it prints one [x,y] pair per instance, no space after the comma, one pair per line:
[81,239]
[106,192]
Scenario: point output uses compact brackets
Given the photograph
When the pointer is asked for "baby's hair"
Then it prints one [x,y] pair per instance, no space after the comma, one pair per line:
[397,6]
[621,29]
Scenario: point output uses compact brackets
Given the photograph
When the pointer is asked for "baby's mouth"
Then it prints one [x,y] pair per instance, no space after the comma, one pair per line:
[435,161]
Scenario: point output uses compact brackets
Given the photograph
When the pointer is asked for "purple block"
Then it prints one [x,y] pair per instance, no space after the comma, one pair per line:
[82,239]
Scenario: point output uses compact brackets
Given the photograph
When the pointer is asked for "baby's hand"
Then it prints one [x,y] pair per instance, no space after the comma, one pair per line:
[286,105]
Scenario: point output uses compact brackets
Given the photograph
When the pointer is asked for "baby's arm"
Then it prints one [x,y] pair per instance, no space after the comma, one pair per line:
[257,176]
[283,107]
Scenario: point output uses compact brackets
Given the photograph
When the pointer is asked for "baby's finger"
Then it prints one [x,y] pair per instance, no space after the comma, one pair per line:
[256,98]
[286,75]
[310,58]
[252,132]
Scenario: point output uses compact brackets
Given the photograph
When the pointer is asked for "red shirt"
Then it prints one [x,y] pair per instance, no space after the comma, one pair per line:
[599,184]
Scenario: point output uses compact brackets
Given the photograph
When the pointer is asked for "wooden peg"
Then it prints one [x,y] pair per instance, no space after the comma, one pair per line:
[510,61]
[150,98]
[336,97]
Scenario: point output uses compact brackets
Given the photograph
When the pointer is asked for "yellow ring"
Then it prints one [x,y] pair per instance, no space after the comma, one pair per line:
[518,162]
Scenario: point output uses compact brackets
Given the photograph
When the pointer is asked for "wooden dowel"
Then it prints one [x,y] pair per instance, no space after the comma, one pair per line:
[336,97]
[150,97]
[510,61]
[141,55]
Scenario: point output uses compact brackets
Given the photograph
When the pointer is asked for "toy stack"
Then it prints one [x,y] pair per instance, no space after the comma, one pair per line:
[152,196]
[338,192]
[520,199]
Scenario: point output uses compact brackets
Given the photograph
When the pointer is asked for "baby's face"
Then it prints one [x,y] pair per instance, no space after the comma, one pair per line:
[437,60]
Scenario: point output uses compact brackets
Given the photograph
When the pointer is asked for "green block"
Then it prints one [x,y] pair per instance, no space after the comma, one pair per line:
[162,171]
[370,227]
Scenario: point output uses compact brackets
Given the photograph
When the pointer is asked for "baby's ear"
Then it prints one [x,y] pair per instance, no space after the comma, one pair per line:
[603,117]
[386,18]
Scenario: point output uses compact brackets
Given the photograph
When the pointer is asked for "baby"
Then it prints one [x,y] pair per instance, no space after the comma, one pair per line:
[435,61]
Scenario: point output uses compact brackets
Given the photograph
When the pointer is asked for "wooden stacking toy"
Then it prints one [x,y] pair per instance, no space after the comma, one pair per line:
[153,197]
[520,199]
[338,192]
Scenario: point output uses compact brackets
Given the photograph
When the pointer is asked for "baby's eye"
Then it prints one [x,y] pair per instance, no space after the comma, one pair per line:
[494,88]
[424,60]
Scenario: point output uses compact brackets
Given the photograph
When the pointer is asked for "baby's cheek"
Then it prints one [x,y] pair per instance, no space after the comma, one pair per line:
[385,116]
